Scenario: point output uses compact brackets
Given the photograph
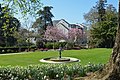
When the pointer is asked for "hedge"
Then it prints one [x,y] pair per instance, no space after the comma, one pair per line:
[13,49]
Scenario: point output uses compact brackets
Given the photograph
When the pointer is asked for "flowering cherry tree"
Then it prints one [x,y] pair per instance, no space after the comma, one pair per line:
[53,33]
[75,34]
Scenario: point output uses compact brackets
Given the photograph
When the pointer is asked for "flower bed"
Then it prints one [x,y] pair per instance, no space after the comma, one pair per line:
[47,71]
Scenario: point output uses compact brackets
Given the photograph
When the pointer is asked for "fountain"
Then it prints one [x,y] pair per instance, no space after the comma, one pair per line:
[60,59]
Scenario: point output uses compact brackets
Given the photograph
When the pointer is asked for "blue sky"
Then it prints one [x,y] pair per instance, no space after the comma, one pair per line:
[73,10]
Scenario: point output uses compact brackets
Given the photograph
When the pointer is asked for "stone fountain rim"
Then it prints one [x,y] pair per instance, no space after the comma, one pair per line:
[71,60]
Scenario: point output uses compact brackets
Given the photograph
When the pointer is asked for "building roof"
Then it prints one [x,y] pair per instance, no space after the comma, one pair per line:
[55,22]
[81,26]
[76,26]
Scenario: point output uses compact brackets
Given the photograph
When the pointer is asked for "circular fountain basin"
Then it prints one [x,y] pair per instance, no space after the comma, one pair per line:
[59,60]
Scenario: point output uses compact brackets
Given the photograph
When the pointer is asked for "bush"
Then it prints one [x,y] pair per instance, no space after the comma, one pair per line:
[15,49]
[70,45]
[40,44]
[46,71]
[56,45]
[62,44]
[49,45]
[8,50]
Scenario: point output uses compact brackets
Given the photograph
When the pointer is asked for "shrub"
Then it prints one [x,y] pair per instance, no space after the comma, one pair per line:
[49,45]
[92,67]
[15,49]
[70,45]
[39,44]
[56,45]
[62,44]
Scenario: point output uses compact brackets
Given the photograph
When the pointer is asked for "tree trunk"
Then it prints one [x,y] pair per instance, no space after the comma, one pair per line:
[115,57]
[111,71]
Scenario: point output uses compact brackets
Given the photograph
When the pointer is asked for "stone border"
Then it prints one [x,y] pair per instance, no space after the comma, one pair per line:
[71,60]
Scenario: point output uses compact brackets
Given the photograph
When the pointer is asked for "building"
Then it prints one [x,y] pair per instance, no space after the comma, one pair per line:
[62,25]
[65,27]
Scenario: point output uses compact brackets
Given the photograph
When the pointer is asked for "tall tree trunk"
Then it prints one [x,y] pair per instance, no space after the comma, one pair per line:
[112,70]
[115,57]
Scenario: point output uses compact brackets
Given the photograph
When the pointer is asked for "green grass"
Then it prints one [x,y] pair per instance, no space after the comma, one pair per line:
[95,56]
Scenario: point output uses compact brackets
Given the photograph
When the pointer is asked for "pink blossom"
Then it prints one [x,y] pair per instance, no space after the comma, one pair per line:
[74,34]
[53,33]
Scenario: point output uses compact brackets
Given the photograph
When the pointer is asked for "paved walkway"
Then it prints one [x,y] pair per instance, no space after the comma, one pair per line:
[15,53]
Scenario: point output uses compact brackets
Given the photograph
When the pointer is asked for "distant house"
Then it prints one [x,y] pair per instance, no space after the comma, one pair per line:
[65,27]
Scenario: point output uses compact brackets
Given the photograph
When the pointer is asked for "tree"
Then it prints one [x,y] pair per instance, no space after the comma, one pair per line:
[53,33]
[103,26]
[101,9]
[92,16]
[96,14]
[112,70]
[75,35]
[22,36]
[45,18]
[104,31]
[8,24]
[24,7]
[14,25]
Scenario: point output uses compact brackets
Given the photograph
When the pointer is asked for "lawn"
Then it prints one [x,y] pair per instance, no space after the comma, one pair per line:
[97,55]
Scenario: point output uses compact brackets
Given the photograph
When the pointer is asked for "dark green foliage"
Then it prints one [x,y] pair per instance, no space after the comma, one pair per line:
[62,44]
[101,9]
[8,24]
[49,45]
[52,45]
[47,71]
[45,18]
[23,39]
[14,49]
[103,33]
[56,45]
[103,25]
[96,14]
[69,45]
[40,44]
